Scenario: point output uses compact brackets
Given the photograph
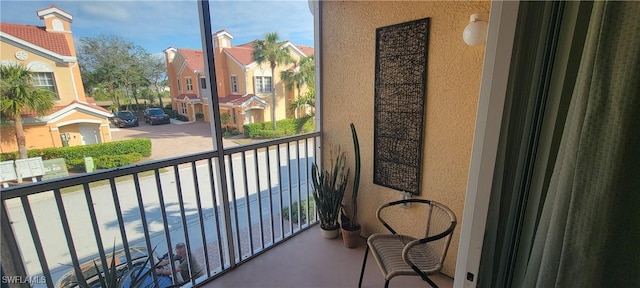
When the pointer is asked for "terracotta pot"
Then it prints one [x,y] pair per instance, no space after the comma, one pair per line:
[350,238]
[329,233]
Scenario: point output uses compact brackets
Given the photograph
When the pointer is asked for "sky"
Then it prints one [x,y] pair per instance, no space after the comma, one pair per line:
[158,24]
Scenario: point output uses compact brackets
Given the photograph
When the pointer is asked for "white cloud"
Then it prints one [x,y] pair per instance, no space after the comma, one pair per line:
[105,10]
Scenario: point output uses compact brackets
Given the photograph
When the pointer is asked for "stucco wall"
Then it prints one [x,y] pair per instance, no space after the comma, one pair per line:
[188,74]
[61,71]
[243,79]
[453,82]
[44,136]
[38,136]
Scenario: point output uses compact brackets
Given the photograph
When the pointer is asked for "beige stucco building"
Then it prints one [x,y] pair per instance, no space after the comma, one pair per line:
[50,54]
[243,85]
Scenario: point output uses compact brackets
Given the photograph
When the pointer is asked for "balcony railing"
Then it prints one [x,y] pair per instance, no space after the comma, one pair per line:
[59,224]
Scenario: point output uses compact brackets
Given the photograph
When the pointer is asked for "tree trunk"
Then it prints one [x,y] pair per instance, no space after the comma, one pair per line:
[21,139]
[160,100]
[299,108]
[135,97]
[273,96]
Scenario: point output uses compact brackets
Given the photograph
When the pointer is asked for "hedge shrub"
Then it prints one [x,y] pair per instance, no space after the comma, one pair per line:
[232,132]
[172,113]
[306,206]
[105,161]
[9,156]
[182,117]
[75,154]
[285,127]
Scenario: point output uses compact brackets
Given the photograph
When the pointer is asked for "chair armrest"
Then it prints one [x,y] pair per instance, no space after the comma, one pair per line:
[407,248]
[412,244]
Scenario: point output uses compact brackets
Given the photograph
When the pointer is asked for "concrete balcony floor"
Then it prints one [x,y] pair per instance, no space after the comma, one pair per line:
[308,260]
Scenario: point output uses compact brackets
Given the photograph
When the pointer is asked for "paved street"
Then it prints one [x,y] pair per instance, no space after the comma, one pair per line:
[173,139]
[168,141]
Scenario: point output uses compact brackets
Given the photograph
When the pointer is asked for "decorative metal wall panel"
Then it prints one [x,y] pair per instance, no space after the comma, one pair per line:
[400,90]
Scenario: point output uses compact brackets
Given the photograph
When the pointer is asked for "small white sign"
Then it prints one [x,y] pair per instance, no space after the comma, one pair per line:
[8,171]
[30,167]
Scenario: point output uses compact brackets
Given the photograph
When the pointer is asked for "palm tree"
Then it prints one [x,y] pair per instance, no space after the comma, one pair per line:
[303,74]
[308,100]
[307,71]
[269,50]
[19,95]
[292,79]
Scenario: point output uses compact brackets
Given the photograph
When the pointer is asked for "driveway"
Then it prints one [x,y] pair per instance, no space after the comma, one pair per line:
[172,140]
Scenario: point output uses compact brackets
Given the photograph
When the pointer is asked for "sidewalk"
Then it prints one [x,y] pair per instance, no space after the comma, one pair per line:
[178,122]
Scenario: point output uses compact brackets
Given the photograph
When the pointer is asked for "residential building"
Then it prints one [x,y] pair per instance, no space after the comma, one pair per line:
[243,85]
[49,52]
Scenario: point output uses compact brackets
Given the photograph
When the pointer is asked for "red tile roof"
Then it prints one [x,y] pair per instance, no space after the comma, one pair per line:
[190,96]
[55,109]
[221,31]
[235,99]
[247,45]
[92,105]
[37,35]
[306,50]
[232,98]
[242,54]
[193,58]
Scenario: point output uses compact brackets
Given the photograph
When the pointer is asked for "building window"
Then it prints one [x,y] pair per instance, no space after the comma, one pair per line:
[189,84]
[263,84]
[203,83]
[179,86]
[45,80]
[233,114]
[234,84]
[184,108]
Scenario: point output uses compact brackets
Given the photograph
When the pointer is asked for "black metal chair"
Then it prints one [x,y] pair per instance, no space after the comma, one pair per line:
[398,254]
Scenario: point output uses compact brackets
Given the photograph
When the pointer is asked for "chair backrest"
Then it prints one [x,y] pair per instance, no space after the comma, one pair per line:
[440,222]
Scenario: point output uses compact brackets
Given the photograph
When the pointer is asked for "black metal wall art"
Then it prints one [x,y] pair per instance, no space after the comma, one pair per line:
[400,91]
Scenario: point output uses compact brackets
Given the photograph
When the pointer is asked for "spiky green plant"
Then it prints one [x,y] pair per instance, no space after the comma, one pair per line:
[328,190]
[349,220]
[112,278]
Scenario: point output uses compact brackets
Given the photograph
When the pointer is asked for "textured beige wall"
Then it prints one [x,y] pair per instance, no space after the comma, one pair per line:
[61,71]
[453,83]
[36,136]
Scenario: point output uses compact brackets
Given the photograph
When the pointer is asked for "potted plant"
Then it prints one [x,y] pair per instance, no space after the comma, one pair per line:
[199,116]
[350,227]
[328,191]
[117,274]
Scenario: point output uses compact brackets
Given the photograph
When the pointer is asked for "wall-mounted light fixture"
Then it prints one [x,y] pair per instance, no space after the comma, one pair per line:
[312,6]
[476,31]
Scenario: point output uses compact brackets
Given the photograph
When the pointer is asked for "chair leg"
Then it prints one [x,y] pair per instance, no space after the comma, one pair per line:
[364,264]
[433,284]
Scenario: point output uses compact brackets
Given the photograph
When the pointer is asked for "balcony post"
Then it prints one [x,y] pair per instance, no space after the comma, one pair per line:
[11,260]
[214,109]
